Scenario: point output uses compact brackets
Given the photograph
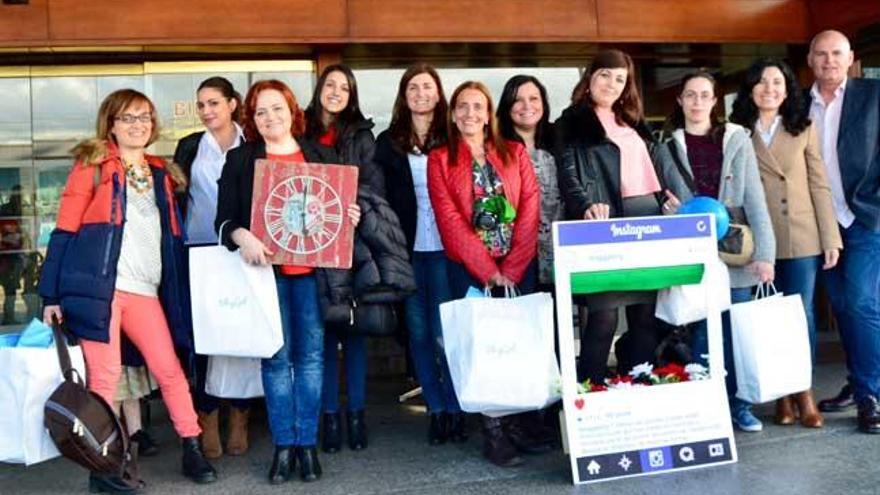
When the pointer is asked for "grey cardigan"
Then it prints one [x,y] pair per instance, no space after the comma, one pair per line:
[740,186]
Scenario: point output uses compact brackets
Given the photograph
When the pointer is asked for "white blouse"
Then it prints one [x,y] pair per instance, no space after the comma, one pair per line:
[427,235]
[202,202]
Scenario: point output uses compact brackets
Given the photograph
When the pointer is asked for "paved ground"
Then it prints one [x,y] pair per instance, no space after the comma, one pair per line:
[780,460]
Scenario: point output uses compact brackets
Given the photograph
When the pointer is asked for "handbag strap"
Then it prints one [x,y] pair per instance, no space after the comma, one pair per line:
[61,347]
[688,178]
[220,232]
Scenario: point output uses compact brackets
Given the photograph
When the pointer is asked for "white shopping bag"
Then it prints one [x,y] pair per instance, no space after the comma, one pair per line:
[771,347]
[683,304]
[500,352]
[28,376]
[234,377]
[234,305]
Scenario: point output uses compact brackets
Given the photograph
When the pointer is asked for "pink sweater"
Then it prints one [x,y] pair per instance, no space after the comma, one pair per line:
[637,175]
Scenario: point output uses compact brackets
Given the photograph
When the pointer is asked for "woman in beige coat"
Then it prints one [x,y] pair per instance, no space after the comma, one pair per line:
[798,197]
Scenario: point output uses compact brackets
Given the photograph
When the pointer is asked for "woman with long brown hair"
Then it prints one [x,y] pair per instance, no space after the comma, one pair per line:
[418,125]
[485,197]
[611,166]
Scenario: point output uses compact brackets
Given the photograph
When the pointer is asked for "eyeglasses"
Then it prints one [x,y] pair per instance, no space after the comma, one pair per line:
[127,118]
[694,96]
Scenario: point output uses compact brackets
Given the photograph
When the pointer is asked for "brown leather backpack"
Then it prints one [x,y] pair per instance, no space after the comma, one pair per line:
[82,425]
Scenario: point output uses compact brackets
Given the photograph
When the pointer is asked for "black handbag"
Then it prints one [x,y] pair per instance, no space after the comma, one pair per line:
[372,319]
[738,245]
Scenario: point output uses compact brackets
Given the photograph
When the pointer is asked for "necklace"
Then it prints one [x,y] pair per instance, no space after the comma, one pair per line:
[139,176]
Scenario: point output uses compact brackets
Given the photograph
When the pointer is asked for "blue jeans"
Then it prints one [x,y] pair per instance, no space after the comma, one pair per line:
[292,377]
[854,289]
[354,350]
[700,345]
[425,332]
[798,276]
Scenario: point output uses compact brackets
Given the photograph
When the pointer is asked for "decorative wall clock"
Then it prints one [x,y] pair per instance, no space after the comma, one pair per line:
[299,212]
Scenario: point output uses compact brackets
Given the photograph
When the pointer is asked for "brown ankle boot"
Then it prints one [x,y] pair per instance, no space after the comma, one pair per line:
[210,424]
[237,443]
[810,415]
[785,411]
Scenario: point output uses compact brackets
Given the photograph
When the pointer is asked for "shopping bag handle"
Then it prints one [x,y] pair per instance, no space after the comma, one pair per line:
[764,289]
[509,292]
[220,232]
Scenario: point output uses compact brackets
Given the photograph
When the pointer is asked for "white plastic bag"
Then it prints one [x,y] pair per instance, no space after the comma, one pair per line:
[235,307]
[500,352]
[234,377]
[771,347]
[28,376]
[683,304]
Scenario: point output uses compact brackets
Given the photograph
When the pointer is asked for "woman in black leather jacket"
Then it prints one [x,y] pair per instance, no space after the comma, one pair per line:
[611,166]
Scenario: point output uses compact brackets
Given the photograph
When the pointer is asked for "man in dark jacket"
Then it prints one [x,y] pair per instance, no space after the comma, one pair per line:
[847,117]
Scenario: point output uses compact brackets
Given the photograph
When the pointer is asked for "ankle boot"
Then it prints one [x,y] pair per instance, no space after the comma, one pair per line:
[810,415]
[357,430]
[195,467]
[517,432]
[109,483]
[331,439]
[146,446]
[210,424]
[237,443]
[309,467]
[456,427]
[437,428]
[785,411]
[283,462]
[496,446]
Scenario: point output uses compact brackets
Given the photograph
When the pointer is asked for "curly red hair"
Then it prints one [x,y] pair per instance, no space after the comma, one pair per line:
[298,120]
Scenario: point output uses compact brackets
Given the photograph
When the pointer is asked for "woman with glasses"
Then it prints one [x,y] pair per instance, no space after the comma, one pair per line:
[798,195]
[114,266]
[720,160]
[201,155]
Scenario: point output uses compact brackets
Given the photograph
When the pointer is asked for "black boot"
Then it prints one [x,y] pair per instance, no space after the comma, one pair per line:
[456,427]
[518,432]
[331,439]
[195,467]
[283,462]
[110,483]
[496,446]
[309,467]
[357,430]
[437,428]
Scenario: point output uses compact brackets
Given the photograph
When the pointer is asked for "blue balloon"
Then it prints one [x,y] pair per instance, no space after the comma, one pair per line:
[705,204]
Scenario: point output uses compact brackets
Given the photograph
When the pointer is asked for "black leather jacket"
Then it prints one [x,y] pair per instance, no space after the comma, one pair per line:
[589,163]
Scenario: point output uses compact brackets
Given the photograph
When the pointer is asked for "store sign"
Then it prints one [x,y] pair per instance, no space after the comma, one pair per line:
[649,429]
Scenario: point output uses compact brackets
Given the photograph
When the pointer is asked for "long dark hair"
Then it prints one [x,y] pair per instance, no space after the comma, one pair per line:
[676,120]
[794,115]
[225,88]
[505,104]
[490,131]
[401,129]
[628,107]
[349,115]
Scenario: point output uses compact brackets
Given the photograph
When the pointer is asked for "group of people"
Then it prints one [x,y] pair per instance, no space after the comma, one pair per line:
[450,196]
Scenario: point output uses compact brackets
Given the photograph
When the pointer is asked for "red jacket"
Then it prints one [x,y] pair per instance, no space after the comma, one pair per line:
[452,196]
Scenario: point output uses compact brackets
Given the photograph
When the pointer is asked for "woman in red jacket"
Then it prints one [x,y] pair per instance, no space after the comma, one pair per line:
[114,264]
[486,200]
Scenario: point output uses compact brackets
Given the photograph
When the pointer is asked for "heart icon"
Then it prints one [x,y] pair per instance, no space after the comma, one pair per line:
[579,403]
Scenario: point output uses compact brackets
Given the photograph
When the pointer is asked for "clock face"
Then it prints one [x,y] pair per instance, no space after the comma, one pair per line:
[303,214]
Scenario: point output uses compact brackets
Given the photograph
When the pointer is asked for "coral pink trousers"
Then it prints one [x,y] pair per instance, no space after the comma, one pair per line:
[143,321]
